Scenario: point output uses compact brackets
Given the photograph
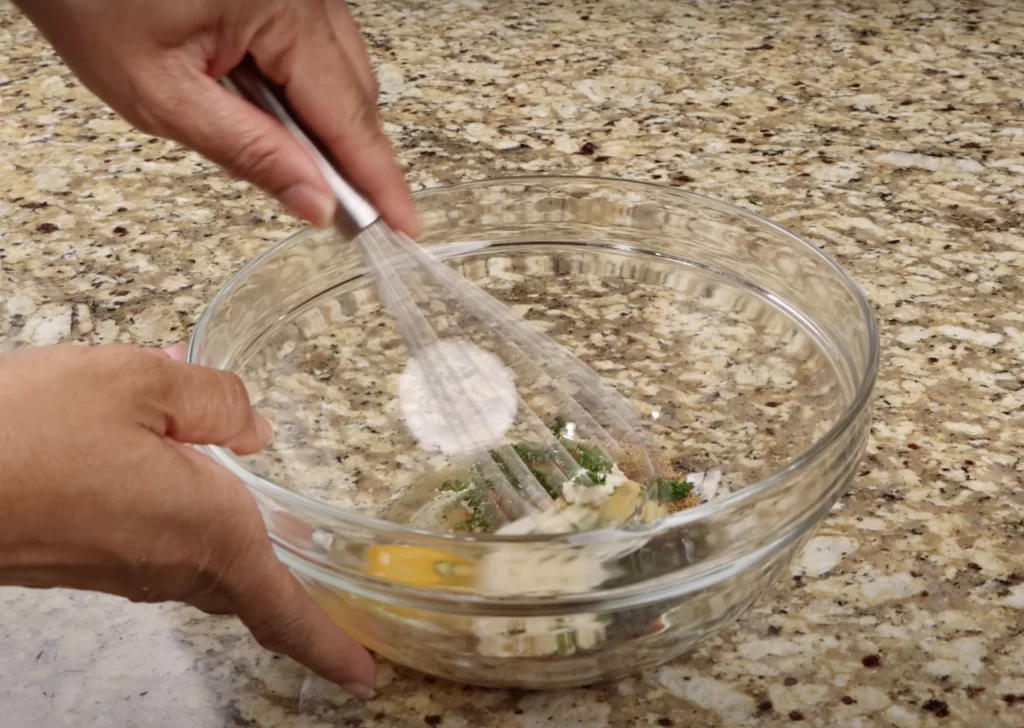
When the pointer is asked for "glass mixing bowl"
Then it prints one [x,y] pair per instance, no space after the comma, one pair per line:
[744,348]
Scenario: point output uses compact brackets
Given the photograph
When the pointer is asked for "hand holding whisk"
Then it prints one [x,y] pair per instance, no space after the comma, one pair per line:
[457,396]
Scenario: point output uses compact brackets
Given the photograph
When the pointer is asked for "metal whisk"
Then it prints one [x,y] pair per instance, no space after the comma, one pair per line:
[475,396]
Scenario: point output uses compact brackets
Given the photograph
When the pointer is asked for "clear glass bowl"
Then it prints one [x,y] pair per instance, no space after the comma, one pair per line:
[744,348]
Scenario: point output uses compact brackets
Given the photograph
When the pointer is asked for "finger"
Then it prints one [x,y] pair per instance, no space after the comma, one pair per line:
[204,406]
[320,84]
[350,40]
[283,618]
[249,144]
[268,599]
[176,352]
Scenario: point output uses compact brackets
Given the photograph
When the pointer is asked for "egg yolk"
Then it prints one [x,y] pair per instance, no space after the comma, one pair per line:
[419,566]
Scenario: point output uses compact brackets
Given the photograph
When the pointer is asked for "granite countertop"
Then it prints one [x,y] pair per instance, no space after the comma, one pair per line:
[893,133]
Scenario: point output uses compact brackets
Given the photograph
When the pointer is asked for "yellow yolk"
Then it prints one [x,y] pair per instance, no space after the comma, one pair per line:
[419,566]
[653,511]
[621,504]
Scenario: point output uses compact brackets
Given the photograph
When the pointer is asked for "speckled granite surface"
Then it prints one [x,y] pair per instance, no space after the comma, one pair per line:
[891,132]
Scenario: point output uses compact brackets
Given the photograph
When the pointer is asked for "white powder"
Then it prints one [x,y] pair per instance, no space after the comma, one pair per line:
[456,397]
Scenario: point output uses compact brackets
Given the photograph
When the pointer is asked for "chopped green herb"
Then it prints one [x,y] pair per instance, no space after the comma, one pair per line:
[467,526]
[474,498]
[534,457]
[566,642]
[553,488]
[595,462]
[503,467]
[453,486]
[670,490]
[558,426]
[527,453]
[481,521]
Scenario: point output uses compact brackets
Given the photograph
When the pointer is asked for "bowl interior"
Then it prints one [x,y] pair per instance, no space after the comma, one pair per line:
[705,319]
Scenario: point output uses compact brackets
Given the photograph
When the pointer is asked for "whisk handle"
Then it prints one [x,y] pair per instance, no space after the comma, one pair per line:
[355,213]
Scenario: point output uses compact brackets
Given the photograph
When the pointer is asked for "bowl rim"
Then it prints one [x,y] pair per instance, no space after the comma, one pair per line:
[308,505]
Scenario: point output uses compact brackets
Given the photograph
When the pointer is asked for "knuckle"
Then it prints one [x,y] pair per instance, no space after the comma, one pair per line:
[235,399]
[140,371]
[152,376]
[357,124]
[147,120]
[152,108]
[276,43]
[364,117]
[258,159]
[109,356]
[250,153]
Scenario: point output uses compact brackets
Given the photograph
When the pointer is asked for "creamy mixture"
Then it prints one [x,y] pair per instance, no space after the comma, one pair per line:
[600,493]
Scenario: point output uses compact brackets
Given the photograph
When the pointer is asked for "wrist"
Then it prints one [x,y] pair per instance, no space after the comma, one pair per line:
[39,538]
[38,564]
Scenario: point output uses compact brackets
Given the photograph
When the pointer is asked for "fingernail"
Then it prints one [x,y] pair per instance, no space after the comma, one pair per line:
[264,431]
[310,204]
[358,690]
[177,352]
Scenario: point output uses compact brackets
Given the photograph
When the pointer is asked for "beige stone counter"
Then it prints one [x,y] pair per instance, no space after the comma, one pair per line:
[892,133]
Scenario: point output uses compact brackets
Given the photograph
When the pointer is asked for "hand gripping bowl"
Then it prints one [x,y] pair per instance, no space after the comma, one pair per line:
[744,348]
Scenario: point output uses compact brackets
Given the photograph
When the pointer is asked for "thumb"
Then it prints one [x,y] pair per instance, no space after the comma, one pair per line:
[251,146]
[205,406]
